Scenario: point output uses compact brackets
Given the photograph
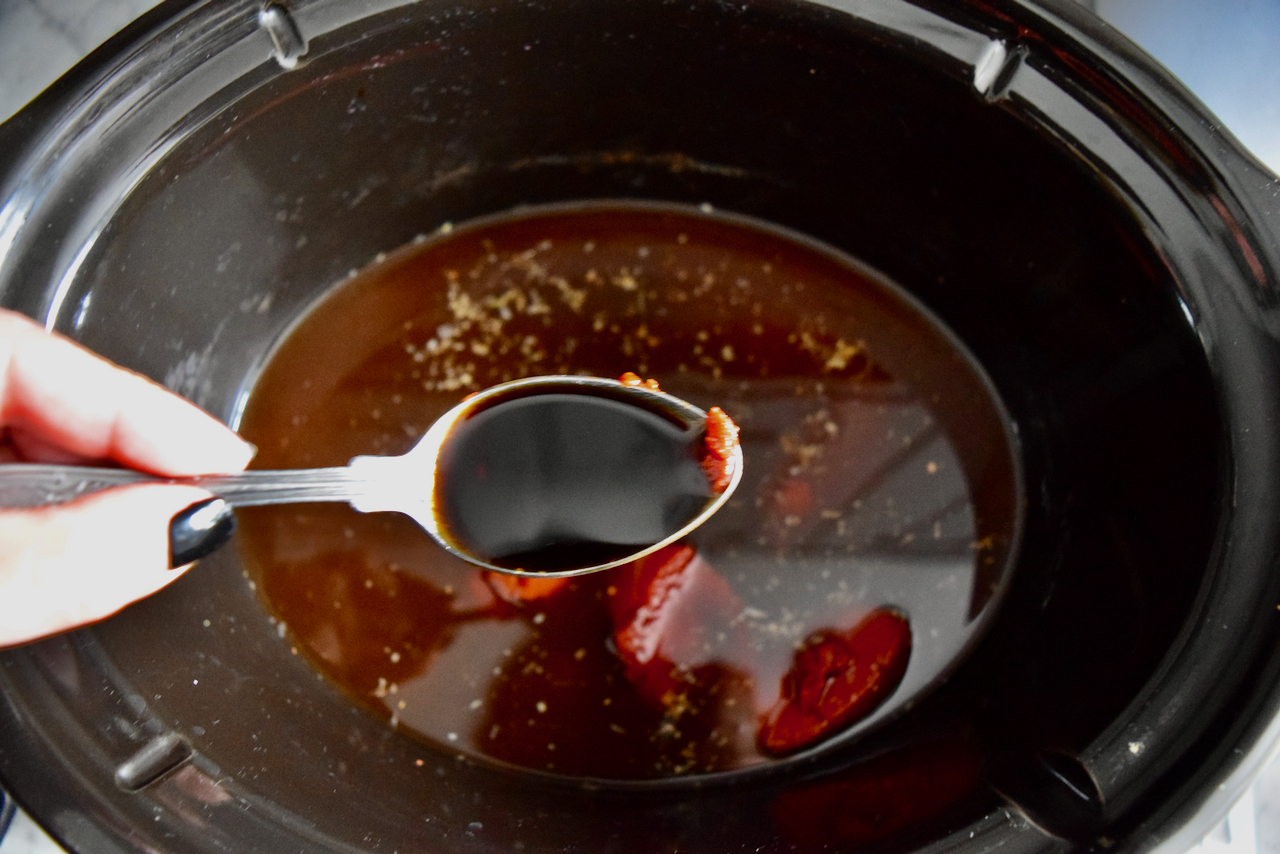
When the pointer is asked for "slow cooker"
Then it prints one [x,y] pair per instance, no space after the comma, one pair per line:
[1065,207]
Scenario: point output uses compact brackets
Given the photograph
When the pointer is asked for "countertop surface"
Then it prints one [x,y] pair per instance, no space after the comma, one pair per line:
[1227,52]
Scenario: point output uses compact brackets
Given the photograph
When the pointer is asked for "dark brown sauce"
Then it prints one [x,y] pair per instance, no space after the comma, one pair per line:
[864,428]
[549,481]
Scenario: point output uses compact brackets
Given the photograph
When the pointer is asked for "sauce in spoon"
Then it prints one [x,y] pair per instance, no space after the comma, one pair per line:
[561,475]
[561,481]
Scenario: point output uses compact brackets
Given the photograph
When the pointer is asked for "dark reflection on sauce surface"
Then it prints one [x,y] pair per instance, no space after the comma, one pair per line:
[877,475]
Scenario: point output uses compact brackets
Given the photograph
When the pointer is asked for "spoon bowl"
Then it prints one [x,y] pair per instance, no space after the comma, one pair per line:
[544,476]
[554,476]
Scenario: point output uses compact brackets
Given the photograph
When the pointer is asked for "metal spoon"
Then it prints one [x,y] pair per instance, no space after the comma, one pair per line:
[547,476]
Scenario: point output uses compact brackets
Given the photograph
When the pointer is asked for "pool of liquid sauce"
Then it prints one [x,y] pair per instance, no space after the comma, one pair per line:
[878,473]
[547,482]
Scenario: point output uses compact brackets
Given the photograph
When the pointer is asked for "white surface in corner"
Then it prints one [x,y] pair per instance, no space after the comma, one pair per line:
[1237,833]
[1226,51]
[26,837]
[40,39]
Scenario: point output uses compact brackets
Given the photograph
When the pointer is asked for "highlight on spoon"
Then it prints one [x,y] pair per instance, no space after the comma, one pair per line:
[559,476]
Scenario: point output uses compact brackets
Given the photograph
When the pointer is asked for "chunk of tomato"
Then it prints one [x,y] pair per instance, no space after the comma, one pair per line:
[672,613]
[837,678]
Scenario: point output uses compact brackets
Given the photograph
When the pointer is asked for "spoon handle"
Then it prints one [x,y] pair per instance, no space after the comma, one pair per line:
[36,485]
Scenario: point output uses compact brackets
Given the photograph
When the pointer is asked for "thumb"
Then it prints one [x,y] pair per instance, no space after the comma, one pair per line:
[72,564]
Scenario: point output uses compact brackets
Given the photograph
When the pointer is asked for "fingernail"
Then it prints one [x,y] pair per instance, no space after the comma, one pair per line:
[200,530]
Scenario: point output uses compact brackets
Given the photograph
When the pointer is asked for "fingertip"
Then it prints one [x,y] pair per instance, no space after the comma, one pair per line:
[88,408]
[206,445]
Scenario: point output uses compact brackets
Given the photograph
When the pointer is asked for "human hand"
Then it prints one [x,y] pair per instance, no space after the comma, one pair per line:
[68,565]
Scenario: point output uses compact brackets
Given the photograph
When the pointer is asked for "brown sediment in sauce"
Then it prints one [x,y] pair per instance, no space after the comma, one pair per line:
[852,484]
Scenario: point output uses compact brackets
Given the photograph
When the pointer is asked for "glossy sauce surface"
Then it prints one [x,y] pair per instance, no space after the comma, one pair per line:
[553,481]
[879,489]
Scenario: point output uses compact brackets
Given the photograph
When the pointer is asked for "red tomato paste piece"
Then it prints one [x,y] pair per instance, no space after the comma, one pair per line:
[835,679]
[721,441]
[632,380]
[518,589]
[672,613]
